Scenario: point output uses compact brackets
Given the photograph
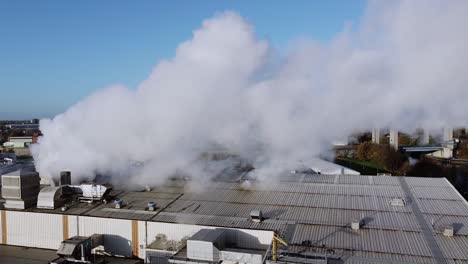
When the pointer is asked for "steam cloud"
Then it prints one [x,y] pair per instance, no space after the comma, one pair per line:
[404,66]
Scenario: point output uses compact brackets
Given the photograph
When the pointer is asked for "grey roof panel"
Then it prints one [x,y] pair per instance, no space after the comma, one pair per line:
[320,207]
[439,193]
[398,242]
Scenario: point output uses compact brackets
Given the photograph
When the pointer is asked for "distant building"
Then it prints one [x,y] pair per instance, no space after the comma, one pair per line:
[19,142]
[23,126]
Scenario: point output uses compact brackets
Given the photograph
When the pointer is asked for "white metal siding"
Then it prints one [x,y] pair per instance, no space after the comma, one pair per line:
[1,227]
[72,225]
[142,243]
[34,229]
[117,233]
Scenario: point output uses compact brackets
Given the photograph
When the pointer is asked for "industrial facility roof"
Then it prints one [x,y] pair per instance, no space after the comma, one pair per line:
[313,213]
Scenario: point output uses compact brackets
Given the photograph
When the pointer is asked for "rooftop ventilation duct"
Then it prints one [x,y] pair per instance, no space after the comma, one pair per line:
[448,231]
[118,203]
[355,224]
[256,216]
[151,206]
[52,197]
[398,202]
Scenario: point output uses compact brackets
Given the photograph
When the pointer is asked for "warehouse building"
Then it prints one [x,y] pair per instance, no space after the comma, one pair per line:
[320,218]
[19,142]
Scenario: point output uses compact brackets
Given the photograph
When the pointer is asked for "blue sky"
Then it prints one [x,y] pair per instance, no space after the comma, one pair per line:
[55,53]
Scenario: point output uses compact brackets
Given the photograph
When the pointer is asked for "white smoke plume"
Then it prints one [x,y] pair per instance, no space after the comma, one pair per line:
[403,65]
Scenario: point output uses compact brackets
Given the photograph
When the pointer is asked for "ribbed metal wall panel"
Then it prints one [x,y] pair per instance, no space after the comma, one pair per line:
[117,233]
[1,226]
[34,229]
[142,240]
[72,225]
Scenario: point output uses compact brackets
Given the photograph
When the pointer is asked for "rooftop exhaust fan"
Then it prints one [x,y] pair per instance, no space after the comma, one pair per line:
[448,231]
[355,224]
[398,202]
[256,216]
[118,203]
[151,206]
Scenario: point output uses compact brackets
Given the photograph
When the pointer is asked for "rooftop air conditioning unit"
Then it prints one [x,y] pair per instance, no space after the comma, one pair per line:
[20,189]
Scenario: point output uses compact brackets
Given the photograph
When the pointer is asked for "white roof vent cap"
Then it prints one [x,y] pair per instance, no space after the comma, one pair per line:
[118,203]
[355,224]
[448,231]
[398,202]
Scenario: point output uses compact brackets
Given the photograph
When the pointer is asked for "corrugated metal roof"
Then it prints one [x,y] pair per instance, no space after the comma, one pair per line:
[318,208]
[397,242]
[443,207]
[439,193]
[439,222]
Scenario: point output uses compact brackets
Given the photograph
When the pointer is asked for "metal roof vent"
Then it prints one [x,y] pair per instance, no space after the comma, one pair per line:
[118,203]
[151,206]
[398,202]
[355,224]
[448,231]
[256,216]
[65,178]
